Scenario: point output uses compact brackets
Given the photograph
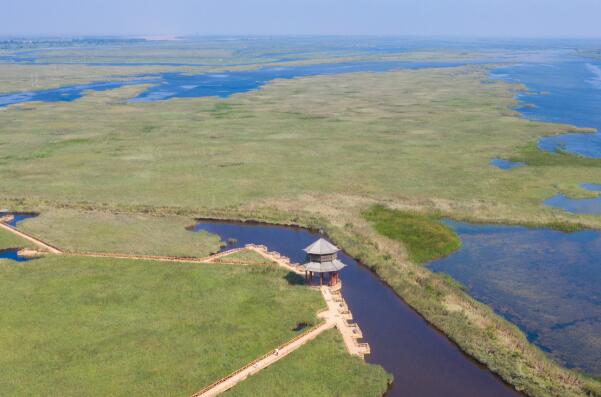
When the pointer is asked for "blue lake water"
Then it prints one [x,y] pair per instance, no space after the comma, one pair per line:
[590,206]
[18,217]
[566,90]
[13,255]
[545,281]
[592,187]
[222,85]
[505,164]
[401,341]
[62,94]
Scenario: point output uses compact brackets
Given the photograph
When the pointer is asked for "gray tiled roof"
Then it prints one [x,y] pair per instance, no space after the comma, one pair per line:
[324,267]
[321,247]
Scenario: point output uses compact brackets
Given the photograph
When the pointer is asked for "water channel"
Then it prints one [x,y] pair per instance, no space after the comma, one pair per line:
[423,361]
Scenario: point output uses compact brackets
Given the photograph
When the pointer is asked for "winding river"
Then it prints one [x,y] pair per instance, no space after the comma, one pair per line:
[222,85]
[423,361]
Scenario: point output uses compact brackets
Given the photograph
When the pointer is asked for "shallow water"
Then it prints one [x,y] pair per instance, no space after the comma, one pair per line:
[589,206]
[544,281]
[566,90]
[224,84]
[423,361]
[63,94]
[591,187]
[505,164]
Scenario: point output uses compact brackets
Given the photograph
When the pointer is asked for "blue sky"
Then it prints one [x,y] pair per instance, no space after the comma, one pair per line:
[506,18]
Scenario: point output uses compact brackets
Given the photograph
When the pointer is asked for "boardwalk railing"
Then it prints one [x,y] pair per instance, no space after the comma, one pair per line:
[236,372]
[31,238]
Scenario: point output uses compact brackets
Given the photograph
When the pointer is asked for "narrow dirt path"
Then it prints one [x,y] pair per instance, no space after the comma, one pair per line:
[47,247]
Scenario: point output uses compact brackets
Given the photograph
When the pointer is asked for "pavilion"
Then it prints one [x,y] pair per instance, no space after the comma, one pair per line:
[322,259]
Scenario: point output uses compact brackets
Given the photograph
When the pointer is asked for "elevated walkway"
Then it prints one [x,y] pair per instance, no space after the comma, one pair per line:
[340,312]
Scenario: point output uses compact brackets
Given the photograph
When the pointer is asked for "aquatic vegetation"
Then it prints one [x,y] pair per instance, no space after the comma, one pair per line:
[543,280]
[423,235]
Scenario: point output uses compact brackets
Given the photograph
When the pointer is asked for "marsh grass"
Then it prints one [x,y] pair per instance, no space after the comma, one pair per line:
[9,240]
[99,327]
[100,231]
[423,235]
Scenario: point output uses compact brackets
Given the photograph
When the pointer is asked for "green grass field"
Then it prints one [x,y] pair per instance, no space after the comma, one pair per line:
[99,327]
[424,236]
[121,233]
[321,368]
[9,240]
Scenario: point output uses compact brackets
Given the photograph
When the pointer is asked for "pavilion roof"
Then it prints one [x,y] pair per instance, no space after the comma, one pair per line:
[324,267]
[321,247]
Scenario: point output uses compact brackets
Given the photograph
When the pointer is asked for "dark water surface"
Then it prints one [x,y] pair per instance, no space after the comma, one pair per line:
[222,85]
[17,217]
[566,90]
[423,361]
[545,281]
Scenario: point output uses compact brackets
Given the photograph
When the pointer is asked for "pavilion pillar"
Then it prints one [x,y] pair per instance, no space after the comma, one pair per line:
[320,278]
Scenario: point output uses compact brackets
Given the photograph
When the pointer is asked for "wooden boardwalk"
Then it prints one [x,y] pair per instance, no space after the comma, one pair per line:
[341,315]
[264,361]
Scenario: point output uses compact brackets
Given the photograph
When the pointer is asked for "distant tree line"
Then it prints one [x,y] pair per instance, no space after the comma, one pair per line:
[27,43]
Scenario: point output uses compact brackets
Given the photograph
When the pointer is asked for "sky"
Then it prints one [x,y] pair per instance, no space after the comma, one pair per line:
[469,18]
